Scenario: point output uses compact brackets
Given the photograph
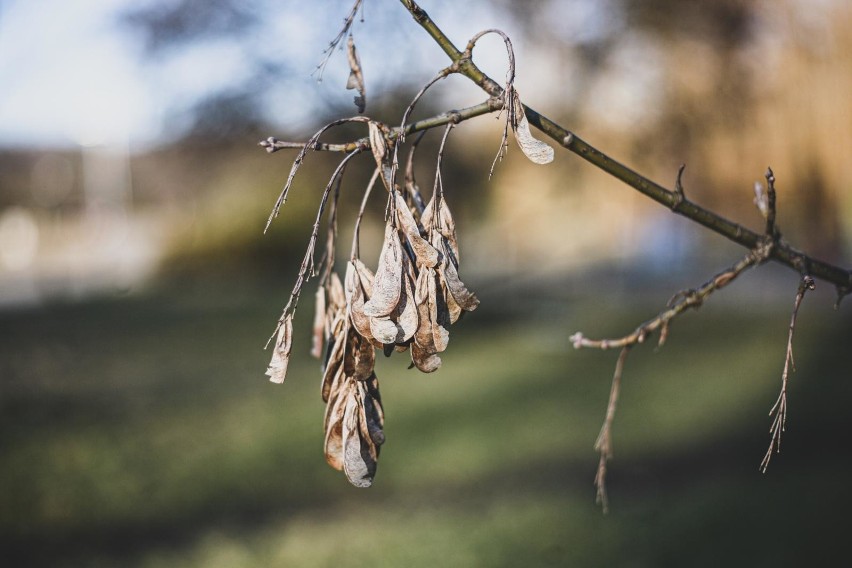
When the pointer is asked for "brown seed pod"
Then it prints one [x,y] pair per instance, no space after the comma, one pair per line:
[387,285]
[277,370]
[425,253]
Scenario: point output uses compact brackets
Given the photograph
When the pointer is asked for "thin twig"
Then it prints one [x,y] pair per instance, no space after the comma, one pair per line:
[328,51]
[282,197]
[272,144]
[779,409]
[356,234]
[679,303]
[307,267]
[603,444]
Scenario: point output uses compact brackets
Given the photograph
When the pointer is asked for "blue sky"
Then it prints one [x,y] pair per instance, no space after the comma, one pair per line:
[72,75]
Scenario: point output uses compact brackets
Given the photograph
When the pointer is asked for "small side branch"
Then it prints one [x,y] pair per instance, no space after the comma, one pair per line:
[603,444]
[273,144]
[779,409]
[678,304]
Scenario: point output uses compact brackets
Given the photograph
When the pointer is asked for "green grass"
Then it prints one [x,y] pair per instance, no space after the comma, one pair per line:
[142,432]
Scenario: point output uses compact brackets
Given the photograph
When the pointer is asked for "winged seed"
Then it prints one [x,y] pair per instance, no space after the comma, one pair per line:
[537,151]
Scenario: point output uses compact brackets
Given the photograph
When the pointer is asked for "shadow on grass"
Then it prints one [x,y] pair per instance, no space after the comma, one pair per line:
[142,432]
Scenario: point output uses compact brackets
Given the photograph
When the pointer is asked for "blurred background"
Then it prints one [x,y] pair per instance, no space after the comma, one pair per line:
[137,289]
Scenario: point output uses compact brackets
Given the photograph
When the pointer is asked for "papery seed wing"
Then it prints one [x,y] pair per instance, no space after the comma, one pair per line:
[373,415]
[334,362]
[360,320]
[466,299]
[364,426]
[452,306]
[360,358]
[537,151]
[427,219]
[385,330]
[372,386]
[336,297]
[277,369]
[356,76]
[387,285]
[358,464]
[319,323]
[447,228]
[407,318]
[377,143]
[425,360]
[366,275]
[338,385]
[424,252]
[438,314]
[333,444]
[423,335]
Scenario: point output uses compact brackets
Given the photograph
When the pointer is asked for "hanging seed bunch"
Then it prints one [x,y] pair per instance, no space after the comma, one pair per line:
[414,295]
[407,304]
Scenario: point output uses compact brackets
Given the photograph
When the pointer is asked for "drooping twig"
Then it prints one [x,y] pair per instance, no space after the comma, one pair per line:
[508,91]
[779,409]
[604,442]
[783,253]
[328,51]
[356,233]
[306,269]
[282,197]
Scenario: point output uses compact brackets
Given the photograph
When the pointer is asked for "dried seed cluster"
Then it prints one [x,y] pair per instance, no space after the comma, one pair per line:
[408,304]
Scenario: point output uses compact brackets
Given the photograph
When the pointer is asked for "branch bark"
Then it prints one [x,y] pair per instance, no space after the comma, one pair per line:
[782,253]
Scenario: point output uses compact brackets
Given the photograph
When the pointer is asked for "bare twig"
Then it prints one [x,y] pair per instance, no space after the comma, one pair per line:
[779,409]
[282,197]
[356,234]
[603,444]
[679,303]
[328,51]
[508,91]
[306,270]
[272,144]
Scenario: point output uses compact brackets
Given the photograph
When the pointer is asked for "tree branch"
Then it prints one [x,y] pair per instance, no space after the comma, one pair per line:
[272,144]
[782,252]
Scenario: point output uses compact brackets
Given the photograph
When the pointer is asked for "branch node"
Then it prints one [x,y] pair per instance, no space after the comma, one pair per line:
[679,197]
[568,139]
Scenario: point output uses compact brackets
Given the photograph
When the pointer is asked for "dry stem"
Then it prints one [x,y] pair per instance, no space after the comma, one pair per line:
[779,409]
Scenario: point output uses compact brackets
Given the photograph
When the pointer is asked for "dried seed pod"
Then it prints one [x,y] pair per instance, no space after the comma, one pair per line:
[447,228]
[424,252]
[423,336]
[377,142]
[333,443]
[359,359]
[358,465]
[385,330]
[356,76]
[374,416]
[537,151]
[438,313]
[466,299]
[277,369]
[355,296]
[334,362]
[406,310]
[425,360]
[387,285]
[319,323]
